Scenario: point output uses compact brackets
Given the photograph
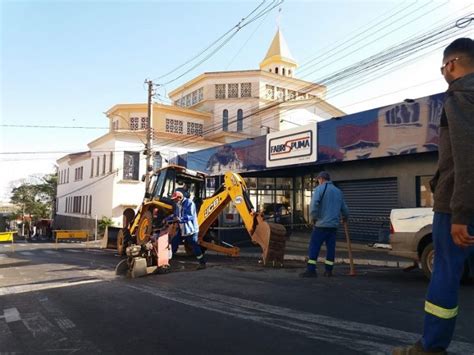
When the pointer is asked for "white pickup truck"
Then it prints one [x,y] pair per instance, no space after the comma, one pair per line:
[410,237]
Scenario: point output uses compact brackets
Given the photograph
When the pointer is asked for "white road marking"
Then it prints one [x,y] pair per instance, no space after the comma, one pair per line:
[11,315]
[13,290]
[38,325]
[25,253]
[65,323]
[367,338]
[50,252]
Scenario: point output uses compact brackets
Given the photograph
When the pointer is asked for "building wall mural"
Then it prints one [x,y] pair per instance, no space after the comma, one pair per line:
[407,127]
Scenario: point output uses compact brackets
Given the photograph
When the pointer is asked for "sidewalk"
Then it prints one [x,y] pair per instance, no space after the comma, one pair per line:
[362,255]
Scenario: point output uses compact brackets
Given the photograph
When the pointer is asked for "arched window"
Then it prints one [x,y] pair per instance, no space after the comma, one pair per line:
[283,71]
[270,70]
[240,120]
[289,72]
[276,70]
[225,120]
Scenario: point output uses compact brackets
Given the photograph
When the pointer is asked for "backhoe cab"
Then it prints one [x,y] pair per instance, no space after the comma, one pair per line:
[136,240]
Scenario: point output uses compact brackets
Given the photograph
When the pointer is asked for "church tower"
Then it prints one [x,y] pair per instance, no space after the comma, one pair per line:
[279,59]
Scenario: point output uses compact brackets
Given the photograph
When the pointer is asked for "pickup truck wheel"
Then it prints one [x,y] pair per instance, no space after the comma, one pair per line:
[427,260]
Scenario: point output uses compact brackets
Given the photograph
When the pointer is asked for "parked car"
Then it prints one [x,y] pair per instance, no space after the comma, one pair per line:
[411,238]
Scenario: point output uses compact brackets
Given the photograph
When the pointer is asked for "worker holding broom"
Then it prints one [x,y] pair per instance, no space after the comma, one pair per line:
[327,206]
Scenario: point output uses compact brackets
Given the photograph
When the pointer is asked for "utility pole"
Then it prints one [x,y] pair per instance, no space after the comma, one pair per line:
[149,136]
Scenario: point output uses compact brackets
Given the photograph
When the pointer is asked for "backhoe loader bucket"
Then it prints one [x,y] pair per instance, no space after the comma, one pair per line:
[271,237]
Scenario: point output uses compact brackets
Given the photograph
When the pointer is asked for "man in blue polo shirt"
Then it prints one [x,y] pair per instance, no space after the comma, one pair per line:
[327,206]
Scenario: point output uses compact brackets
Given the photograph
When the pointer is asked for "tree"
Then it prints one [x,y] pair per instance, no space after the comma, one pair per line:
[36,198]
[104,223]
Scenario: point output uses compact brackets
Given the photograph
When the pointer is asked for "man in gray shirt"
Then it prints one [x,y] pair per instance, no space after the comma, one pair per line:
[453,187]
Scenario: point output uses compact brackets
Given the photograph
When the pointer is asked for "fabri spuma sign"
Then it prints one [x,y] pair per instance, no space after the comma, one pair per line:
[292,146]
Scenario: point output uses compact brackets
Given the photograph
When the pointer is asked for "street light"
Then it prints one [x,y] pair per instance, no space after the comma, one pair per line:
[283,120]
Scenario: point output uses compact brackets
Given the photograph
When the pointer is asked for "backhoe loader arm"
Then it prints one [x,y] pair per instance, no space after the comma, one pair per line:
[270,237]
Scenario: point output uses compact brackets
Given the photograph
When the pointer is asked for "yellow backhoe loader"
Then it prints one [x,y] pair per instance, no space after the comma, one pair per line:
[146,252]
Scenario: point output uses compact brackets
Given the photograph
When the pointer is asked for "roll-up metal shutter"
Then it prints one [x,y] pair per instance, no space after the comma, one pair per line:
[370,203]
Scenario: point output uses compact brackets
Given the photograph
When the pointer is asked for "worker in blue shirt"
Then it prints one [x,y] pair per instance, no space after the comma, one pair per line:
[327,206]
[184,213]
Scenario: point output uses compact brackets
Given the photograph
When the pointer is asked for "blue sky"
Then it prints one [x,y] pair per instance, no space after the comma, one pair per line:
[66,62]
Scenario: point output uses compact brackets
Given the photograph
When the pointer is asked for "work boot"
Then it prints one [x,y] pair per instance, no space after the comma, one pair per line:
[328,273]
[201,266]
[309,274]
[416,349]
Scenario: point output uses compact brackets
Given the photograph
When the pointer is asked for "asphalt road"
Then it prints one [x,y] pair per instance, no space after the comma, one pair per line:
[68,300]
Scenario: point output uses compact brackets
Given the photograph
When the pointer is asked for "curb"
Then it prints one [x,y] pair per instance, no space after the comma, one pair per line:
[344,261]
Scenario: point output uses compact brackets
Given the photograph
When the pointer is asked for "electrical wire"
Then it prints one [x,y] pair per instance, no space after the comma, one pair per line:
[243,23]
[348,73]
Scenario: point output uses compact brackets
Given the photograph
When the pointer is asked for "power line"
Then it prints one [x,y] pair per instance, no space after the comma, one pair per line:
[243,23]
[312,83]
[384,59]
[208,47]
[50,126]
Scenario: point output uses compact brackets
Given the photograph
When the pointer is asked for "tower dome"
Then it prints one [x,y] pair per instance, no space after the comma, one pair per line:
[278,59]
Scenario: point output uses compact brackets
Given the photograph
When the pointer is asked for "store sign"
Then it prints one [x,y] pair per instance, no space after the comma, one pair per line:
[292,146]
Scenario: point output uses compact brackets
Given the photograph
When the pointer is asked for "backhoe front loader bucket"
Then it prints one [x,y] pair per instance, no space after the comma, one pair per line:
[271,237]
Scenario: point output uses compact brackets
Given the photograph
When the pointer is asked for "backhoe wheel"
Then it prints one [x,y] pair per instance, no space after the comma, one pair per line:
[121,243]
[144,228]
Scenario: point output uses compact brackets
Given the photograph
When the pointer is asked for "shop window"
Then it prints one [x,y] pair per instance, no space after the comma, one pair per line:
[251,182]
[284,183]
[424,194]
[266,183]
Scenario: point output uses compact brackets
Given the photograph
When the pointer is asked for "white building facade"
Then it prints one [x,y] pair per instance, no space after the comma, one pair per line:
[212,109]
